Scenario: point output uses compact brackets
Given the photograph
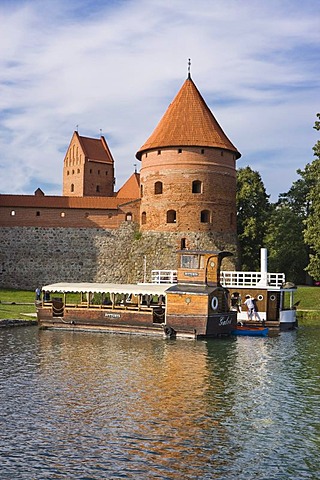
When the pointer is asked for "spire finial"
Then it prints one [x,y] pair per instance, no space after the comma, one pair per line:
[189,66]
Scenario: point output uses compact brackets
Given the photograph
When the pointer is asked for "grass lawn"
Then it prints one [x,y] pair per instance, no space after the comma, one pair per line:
[309,298]
[10,304]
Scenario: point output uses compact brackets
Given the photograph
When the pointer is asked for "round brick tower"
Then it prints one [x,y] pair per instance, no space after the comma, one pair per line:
[188,172]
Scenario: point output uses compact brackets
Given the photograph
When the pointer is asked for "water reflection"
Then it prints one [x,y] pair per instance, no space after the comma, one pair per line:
[94,406]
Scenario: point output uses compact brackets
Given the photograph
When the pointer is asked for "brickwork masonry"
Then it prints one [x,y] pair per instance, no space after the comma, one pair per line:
[32,256]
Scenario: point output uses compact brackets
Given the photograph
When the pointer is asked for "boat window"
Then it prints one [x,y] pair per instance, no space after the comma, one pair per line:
[190,261]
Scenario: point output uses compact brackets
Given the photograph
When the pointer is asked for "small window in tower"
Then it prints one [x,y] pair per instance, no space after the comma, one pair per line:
[12,213]
[158,188]
[107,172]
[202,151]
[196,186]
[90,171]
[221,153]
[146,154]
[78,171]
[98,172]
[72,187]
[129,217]
[179,150]
[159,152]
[38,214]
[205,216]
[183,244]
[141,190]
[98,188]
[171,216]
[68,172]
[62,214]
[143,218]
[72,172]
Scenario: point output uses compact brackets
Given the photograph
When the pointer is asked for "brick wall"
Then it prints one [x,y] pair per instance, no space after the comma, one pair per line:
[177,169]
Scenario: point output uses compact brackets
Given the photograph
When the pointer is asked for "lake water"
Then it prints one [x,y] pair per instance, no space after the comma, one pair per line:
[99,406]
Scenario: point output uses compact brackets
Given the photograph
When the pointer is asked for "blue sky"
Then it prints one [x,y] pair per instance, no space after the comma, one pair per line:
[114,66]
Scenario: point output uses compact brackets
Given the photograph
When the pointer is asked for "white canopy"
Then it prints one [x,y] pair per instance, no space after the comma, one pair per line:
[143,289]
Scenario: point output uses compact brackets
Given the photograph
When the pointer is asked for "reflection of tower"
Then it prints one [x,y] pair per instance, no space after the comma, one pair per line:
[188,175]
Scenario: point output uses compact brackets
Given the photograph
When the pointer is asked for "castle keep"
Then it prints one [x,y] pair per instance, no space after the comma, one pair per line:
[184,197]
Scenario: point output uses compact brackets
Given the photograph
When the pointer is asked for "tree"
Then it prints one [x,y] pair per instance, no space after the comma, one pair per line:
[287,252]
[253,209]
[312,223]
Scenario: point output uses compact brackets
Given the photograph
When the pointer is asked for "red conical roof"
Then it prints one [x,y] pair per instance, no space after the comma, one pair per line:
[188,122]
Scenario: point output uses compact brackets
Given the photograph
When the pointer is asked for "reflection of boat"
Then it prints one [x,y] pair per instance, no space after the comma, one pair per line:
[196,306]
[251,331]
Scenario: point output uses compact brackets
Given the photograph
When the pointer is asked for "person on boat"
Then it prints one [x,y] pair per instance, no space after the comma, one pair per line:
[255,310]
[250,306]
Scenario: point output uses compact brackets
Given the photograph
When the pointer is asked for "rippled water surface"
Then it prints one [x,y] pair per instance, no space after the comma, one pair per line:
[98,406]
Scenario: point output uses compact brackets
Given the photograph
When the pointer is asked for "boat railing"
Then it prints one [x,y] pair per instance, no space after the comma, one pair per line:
[251,279]
[163,276]
[228,278]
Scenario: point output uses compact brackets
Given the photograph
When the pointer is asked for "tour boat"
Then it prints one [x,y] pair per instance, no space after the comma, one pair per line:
[196,306]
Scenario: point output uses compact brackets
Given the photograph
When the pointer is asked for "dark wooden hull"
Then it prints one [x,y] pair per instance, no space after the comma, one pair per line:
[138,322]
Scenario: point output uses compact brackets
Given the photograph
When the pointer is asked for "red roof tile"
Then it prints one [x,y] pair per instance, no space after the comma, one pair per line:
[131,188]
[33,201]
[188,122]
[95,149]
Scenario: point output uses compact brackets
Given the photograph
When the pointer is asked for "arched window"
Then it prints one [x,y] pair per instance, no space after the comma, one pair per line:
[129,217]
[72,187]
[196,186]
[143,218]
[205,216]
[98,188]
[158,188]
[171,216]
[183,244]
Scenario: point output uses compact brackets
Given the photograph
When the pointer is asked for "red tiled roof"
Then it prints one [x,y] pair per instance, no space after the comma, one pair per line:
[131,188]
[33,201]
[95,149]
[188,122]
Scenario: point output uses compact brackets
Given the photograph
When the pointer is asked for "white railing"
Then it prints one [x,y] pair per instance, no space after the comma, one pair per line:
[228,278]
[164,276]
[250,279]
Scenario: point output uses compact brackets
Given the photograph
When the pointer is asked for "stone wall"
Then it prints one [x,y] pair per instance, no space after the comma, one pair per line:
[32,256]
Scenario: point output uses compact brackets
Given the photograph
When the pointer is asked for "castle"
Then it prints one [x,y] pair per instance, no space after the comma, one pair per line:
[183,197]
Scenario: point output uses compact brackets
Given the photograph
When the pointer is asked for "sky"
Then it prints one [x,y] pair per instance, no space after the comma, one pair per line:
[112,67]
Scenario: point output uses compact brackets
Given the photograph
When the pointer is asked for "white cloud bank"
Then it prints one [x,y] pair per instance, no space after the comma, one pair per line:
[116,66]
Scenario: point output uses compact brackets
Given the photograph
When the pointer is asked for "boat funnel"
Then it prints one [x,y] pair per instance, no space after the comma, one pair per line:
[263,267]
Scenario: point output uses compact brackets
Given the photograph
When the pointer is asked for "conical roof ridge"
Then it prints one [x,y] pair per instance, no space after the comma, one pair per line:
[188,122]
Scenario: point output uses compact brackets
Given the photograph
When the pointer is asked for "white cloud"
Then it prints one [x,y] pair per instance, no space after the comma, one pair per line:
[116,66]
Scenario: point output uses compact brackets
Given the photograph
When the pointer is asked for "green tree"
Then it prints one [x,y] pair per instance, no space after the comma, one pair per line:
[312,223]
[253,209]
[287,252]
